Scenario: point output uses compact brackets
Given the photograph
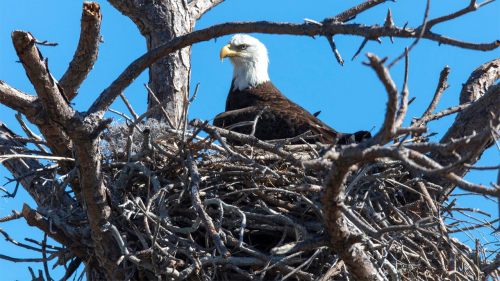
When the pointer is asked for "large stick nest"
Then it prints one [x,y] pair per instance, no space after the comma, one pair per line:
[200,208]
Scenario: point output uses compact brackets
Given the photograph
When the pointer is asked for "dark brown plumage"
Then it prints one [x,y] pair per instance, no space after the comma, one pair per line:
[281,118]
[255,98]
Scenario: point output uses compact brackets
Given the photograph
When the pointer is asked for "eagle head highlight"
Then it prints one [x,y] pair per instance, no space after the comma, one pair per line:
[249,58]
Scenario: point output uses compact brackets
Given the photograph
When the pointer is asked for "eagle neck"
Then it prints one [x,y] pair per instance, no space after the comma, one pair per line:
[249,74]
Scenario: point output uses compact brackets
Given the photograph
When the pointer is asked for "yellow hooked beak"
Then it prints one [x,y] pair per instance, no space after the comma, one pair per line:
[227,52]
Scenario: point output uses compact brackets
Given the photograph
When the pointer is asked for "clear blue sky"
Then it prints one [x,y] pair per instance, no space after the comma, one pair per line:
[350,97]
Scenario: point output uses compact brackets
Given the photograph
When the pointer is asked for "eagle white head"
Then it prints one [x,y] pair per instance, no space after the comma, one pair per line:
[249,58]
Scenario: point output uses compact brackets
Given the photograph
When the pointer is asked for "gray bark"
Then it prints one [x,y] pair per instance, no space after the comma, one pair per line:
[159,22]
[480,90]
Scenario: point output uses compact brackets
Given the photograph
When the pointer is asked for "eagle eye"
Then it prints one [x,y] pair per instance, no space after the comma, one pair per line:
[243,46]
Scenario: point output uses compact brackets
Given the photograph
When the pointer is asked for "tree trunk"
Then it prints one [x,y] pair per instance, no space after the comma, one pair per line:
[159,22]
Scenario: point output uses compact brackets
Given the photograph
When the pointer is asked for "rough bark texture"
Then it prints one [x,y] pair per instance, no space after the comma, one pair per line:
[479,81]
[347,244]
[483,113]
[159,22]
[86,52]
[83,131]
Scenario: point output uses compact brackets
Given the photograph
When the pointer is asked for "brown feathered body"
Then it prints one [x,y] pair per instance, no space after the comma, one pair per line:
[261,109]
[280,117]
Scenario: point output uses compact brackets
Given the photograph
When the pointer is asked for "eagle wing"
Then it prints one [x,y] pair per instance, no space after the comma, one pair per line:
[279,117]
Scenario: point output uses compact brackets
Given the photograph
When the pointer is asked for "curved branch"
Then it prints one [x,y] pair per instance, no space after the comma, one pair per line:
[37,70]
[470,8]
[86,51]
[389,127]
[134,69]
[16,99]
[441,87]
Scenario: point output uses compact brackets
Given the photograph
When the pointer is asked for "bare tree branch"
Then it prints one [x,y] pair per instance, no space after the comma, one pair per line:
[306,29]
[38,190]
[420,30]
[86,51]
[473,6]
[335,51]
[441,87]
[483,113]
[51,107]
[34,218]
[389,127]
[37,70]
[16,99]
[405,92]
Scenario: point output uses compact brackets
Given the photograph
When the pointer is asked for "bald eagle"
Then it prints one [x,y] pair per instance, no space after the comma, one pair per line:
[253,98]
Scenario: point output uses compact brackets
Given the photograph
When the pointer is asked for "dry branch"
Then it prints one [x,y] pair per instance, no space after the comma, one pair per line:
[133,70]
[389,127]
[483,113]
[24,170]
[50,107]
[46,86]
[16,99]
[86,51]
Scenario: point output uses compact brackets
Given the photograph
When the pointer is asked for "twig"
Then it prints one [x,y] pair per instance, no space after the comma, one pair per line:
[441,87]
[389,127]
[421,28]
[403,107]
[46,43]
[159,105]
[129,106]
[335,51]
[14,216]
[195,198]
[470,8]
[360,48]
[256,120]
[44,256]
[8,258]
[6,157]
[308,261]
[30,133]
[233,209]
